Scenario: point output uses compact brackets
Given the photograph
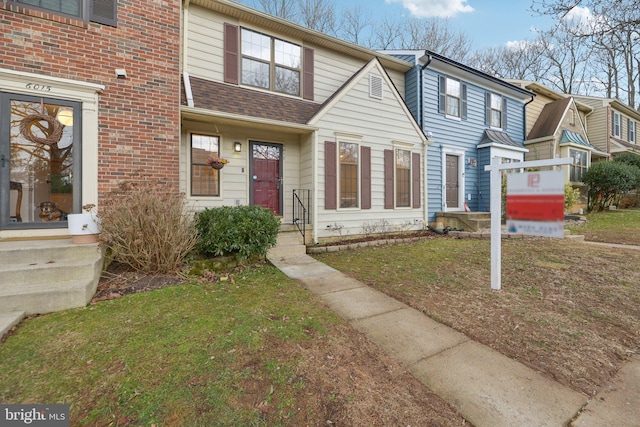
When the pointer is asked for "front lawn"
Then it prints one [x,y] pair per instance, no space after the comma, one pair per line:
[256,349]
[618,226]
[567,309]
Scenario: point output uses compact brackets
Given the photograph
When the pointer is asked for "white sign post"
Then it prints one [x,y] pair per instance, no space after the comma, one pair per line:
[495,169]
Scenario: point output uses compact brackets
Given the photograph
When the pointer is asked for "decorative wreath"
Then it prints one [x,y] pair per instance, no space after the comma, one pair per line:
[55,128]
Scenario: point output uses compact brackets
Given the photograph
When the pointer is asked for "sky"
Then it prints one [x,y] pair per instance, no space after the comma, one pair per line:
[489,23]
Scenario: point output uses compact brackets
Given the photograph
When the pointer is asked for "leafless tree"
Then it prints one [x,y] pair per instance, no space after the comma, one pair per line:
[353,25]
[319,15]
[436,35]
[285,9]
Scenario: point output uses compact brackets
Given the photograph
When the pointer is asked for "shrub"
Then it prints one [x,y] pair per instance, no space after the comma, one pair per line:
[240,230]
[633,160]
[571,196]
[146,226]
[608,182]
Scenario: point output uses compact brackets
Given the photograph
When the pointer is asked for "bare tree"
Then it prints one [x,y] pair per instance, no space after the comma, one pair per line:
[319,15]
[354,24]
[387,34]
[436,35]
[525,60]
[285,9]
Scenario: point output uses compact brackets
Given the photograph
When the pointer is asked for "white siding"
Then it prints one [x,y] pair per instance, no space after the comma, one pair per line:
[379,123]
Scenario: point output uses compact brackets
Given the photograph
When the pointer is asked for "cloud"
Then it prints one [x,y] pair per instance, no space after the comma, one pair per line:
[434,8]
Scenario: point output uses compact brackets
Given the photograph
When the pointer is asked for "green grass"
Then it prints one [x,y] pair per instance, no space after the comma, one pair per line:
[619,226]
[177,356]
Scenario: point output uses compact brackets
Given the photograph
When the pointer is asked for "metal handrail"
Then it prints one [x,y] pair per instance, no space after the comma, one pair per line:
[301,216]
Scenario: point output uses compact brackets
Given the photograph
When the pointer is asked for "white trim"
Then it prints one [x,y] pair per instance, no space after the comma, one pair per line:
[204,197]
[493,145]
[358,174]
[460,153]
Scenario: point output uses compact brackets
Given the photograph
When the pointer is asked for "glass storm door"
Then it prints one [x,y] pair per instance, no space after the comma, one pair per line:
[39,177]
[266,173]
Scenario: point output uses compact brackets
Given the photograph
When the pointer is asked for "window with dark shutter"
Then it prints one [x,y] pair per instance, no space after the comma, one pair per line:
[231,47]
[389,165]
[330,175]
[307,74]
[415,172]
[487,109]
[365,177]
[104,12]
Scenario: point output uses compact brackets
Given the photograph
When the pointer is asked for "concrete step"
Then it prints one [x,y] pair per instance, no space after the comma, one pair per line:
[48,275]
[8,320]
[48,297]
[44,251]
[289,244]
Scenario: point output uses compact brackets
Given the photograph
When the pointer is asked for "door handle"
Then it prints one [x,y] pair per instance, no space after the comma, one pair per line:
[3,160]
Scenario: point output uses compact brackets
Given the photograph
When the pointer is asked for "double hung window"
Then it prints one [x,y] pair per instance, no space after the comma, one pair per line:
[270,63]
[579,167]
[403,178]
[348,175]
[205,181]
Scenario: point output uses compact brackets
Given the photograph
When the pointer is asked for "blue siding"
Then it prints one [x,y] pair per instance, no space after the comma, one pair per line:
[412,93]
[464,135]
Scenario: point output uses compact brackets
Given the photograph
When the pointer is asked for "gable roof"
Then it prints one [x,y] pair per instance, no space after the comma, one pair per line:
[349,84]
[549,119]
[548,92]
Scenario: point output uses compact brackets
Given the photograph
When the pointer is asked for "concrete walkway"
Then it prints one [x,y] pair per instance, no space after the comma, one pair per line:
[488,388]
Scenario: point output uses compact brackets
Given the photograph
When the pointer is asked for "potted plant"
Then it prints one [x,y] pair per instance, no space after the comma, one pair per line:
[217,162]
[84,227]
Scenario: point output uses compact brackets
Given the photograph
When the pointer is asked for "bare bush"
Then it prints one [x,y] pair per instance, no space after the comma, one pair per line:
[146,226]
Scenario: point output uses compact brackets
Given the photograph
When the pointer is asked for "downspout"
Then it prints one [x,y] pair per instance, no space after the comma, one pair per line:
[524,110]
[421,91]
[185,74]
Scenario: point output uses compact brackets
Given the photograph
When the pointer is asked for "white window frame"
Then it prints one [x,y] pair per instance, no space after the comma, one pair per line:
[499,100]
[189,165]
[616,126]
[358,177]
[632,131]
[449,80]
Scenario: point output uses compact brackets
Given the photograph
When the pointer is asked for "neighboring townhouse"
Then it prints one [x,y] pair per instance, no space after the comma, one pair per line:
[470,117]
[308,124]
[612,126]
[89,94]
[556,128]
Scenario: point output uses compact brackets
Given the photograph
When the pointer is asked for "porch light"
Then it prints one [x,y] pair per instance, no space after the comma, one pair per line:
[237,147]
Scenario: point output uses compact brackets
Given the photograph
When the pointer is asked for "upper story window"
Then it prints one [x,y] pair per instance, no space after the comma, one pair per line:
[496,110]
[631,131]
[453,97]
[270,63]
[348,175]
[616,124]
[100,11]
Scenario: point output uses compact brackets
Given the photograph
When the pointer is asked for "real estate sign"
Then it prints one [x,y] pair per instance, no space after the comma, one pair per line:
[535,203]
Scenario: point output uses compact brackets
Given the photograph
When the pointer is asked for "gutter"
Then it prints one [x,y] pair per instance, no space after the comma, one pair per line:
[524,123]
[421,88]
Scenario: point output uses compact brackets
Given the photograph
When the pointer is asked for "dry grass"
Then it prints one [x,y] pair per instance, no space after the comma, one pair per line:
[567,309]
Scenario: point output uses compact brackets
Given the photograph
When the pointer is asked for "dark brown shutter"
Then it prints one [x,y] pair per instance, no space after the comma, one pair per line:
[231,46]
[504,114]
[307,74]
[104,12]
[463,101]
[487,108]
[388,179]
[442,92]
[365,177]
[330,175]
[415,172]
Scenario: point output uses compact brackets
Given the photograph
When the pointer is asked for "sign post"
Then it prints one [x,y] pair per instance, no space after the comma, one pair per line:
[495,169]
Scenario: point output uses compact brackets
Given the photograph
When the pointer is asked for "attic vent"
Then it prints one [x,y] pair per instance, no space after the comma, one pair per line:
[375,86]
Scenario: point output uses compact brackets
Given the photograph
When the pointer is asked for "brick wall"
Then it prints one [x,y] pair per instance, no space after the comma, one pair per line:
[138,116]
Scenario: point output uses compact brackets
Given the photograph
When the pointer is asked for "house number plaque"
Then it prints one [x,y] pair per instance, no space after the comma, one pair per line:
[39,87]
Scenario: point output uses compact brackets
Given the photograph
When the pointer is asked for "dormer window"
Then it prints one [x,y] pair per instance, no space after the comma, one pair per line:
[270,63]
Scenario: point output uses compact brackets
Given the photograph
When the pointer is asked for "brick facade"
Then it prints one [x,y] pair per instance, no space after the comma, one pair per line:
[138,116]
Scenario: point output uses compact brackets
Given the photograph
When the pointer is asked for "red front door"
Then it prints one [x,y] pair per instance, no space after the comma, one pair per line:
[266,166]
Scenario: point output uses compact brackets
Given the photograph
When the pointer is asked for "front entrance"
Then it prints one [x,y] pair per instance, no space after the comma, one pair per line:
[452,182]
[39,173]
[266,176]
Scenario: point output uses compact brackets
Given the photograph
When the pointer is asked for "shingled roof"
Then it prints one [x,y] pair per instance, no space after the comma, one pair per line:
[549,119]
[232,99]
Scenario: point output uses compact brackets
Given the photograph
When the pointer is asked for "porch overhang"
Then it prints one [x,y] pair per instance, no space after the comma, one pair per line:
[204,115]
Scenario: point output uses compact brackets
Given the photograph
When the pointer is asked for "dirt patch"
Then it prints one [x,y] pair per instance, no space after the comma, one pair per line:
[119,280]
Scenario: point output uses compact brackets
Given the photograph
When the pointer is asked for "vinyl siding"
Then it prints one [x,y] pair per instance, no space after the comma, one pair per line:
[358,114]
[463,135]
